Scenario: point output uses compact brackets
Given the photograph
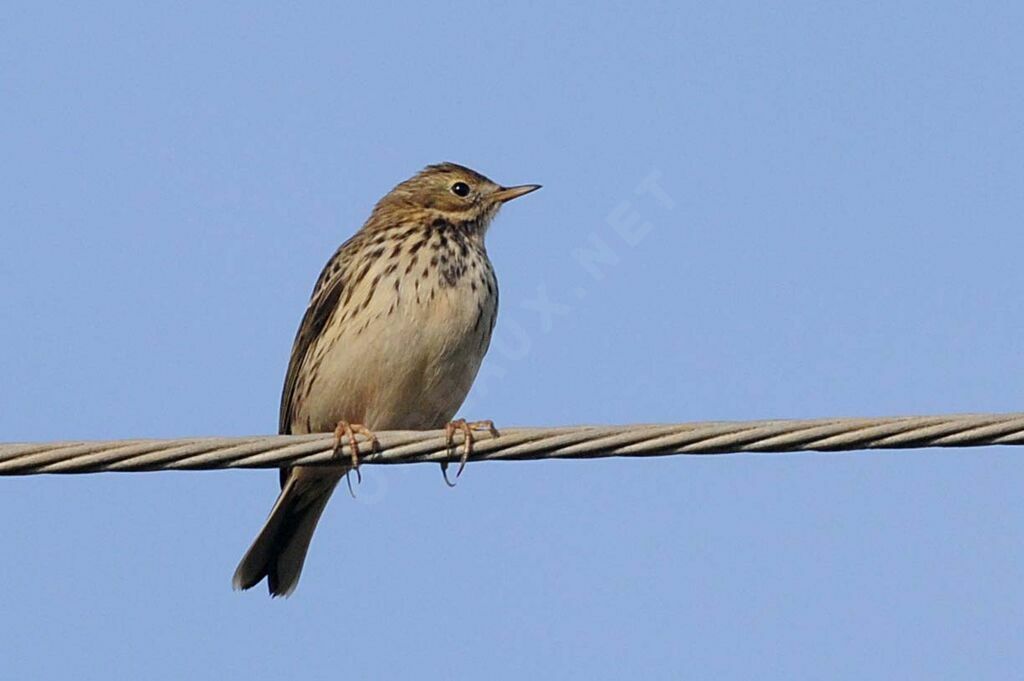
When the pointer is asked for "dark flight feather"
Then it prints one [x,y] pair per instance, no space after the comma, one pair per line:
[323,304]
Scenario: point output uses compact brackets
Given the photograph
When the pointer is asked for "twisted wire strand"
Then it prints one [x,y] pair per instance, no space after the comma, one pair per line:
[518,444]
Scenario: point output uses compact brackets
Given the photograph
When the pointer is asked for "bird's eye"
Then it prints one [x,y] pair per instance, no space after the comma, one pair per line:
[460,189]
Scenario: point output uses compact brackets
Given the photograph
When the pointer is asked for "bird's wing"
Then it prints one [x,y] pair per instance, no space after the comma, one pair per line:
[322,305]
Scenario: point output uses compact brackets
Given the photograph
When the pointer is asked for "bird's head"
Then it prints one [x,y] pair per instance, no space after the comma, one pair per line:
[449,192]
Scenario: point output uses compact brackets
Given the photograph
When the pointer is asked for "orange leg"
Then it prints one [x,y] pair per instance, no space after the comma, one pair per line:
[349,430]
[466,428]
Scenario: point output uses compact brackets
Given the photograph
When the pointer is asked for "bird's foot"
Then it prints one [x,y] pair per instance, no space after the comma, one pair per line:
[350,430]
[466,428]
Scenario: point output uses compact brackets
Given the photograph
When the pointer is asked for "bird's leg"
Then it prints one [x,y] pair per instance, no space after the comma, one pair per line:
[466,428]
[349,430]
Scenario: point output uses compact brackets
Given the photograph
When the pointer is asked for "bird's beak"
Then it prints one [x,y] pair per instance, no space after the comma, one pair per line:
[508,193]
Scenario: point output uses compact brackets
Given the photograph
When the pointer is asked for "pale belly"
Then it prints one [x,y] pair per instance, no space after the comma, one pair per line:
[407,369]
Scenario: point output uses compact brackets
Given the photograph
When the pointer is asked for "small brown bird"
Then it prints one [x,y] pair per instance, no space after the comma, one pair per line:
[394,334]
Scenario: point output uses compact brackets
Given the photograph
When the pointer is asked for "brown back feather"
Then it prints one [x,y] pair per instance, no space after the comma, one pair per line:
[322,305]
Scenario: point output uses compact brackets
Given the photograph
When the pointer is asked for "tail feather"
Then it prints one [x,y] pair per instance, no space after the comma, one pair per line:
[279,550]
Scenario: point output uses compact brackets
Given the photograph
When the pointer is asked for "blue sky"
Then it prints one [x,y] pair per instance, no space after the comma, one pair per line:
[837,233]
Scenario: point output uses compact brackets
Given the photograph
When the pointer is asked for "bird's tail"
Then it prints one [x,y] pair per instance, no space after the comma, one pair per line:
[280,549]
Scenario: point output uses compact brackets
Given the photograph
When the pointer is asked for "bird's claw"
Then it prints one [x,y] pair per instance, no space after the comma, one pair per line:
[350,430]
[444,473]
[466,428]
